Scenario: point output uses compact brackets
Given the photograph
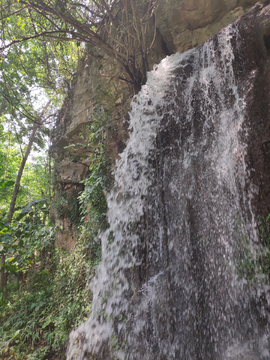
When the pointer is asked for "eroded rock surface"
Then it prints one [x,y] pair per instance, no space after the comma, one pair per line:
[70,172]
[181,25]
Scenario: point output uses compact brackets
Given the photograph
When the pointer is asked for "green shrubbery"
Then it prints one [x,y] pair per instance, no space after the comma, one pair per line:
[36,320]
[48,291]
[254,259]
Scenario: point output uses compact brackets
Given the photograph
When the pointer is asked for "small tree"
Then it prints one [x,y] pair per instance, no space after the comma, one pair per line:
[37,124]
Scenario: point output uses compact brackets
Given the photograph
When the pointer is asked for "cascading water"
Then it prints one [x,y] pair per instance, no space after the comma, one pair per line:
[178,278]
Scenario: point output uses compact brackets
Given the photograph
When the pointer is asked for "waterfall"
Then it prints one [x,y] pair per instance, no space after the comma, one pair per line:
[179,277]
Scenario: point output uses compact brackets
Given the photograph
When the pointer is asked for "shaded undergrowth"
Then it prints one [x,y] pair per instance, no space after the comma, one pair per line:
[48,290]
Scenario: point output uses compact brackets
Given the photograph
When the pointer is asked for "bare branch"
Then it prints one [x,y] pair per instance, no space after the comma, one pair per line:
[94,13]
[109,12]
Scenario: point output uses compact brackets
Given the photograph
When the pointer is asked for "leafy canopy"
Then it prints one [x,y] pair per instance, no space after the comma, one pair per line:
[118,28]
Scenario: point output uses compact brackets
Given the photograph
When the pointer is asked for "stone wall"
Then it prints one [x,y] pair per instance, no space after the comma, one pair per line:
[188,23]
[181,25]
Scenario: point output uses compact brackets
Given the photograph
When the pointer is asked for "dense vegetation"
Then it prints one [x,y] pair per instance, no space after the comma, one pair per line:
[117,28]
[47,288]
[44,290]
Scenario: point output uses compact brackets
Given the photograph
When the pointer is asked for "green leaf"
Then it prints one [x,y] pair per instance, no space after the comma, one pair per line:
[4,184]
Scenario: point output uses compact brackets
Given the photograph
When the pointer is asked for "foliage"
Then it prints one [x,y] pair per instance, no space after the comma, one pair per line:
[111,96]
[117,28]
[32,72]
[48,290]
[67,205]
[254,263]
[36,178]
[34,78]
[39,314]
[36,322]
[93,198]
[6,239]
[100,179]
[10,157]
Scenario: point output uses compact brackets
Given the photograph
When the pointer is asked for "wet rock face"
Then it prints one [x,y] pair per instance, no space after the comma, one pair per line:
[212,155]
[177,279]
[256,85]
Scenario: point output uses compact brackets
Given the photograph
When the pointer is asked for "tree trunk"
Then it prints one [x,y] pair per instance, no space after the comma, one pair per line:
[3,277]
[20,172]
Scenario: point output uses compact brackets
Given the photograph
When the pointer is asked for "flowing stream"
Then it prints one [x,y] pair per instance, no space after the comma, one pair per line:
[179,276]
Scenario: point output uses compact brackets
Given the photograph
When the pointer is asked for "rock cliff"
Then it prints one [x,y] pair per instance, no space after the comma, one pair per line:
[185,265]
[180,25]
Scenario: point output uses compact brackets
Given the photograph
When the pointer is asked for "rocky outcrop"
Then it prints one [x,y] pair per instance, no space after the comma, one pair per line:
[71,172]
[188,23]
[181,25]
[184,273]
